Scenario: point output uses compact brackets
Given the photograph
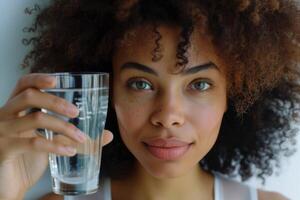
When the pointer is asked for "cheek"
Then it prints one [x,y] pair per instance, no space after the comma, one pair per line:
[131,115]
[207,121]
[211,119]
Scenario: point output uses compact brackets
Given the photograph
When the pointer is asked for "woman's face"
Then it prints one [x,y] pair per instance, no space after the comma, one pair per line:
[169,121]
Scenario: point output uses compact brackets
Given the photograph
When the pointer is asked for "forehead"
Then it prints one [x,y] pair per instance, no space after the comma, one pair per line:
[141,42]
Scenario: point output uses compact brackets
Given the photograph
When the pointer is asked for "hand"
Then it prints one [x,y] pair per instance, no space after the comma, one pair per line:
[23,152]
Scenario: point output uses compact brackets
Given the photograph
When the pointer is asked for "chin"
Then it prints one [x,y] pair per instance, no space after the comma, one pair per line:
[165,170]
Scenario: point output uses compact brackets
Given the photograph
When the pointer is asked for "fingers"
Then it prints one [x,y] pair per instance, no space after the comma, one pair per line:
[13,128]
[91,146]
[27,95]
[60,145]
[36,80]
[18,146]
[33,98]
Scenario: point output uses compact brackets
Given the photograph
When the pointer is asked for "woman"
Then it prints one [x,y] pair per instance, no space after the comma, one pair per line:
[199,88]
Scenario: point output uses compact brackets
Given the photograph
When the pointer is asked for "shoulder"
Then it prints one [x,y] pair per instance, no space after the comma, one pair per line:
[229,185]
[267,195]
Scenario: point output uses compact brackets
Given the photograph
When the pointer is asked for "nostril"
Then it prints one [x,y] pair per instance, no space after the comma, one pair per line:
[158,124]
[165,124]
[167,118]
[175,123]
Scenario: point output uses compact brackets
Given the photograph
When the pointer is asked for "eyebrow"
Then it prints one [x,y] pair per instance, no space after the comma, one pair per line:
[192,70]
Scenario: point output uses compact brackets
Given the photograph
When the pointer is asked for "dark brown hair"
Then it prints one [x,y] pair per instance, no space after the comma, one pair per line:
[258,40]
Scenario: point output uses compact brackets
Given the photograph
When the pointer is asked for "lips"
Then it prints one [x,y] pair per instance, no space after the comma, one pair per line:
[167,149]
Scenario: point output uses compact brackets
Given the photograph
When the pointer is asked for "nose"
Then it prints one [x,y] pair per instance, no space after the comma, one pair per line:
[169,112]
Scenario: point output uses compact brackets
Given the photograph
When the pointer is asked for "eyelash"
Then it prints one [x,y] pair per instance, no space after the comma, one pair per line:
[135,81]
[132,85]
[207,82]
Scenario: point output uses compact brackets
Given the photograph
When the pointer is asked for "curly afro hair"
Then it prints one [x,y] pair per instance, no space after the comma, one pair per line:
[258,40]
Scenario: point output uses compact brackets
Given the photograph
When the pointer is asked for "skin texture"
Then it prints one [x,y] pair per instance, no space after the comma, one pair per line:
[251,36]
[256,39]
[23,152]
[172,107]
[262,195]
[165,106]
[169,105]
[261,58]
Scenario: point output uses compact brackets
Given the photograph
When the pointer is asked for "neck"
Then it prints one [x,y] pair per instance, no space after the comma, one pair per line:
[196,183]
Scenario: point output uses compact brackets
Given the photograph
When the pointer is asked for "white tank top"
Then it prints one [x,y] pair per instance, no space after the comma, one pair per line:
[224,189]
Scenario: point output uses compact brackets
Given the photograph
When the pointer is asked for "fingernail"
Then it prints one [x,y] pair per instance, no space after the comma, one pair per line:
[80,136]
[68,150]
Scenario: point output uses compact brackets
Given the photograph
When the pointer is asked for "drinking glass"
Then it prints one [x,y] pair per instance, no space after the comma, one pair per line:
[79,174]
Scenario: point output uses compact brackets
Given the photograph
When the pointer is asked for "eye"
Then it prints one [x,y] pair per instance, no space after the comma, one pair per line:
[200,85]
[139,85]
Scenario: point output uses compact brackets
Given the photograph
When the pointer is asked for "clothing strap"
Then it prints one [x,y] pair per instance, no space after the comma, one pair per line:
[226,189]
[217,189]
[107,189]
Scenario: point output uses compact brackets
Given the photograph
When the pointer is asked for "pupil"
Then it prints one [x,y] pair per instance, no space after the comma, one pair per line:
[199,85]
[140,85]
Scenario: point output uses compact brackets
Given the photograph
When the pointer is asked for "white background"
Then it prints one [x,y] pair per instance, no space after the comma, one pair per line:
[12,21]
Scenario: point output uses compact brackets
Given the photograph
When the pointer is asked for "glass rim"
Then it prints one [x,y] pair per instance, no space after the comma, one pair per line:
[78,74]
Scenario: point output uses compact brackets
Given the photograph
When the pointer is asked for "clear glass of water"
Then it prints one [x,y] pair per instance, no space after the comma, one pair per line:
[79,174]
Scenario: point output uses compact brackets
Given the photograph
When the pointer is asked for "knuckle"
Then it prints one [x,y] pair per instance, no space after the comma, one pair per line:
[3,112]
[69,126]
[28,94]
[3,143]
[22,81]
[57,103]
[35,143]
[2,128]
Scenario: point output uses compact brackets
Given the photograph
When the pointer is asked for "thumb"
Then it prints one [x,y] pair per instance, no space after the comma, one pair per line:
[92,145]
[107,137]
